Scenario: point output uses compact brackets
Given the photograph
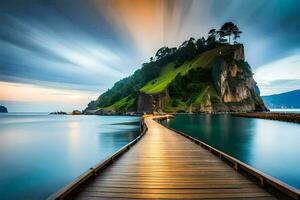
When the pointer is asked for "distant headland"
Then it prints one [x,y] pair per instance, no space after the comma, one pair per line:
[3,109]
[285,100]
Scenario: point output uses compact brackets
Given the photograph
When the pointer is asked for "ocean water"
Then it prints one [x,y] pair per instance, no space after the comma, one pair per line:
[272,147]
[40,153]
[288,110]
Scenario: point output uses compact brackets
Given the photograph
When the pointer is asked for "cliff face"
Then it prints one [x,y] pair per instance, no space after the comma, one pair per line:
[234,84]
[145,103]
[149,103]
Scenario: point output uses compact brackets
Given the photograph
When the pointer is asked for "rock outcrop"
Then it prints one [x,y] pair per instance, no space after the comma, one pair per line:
[235,86]
[76,112]
[145,103]
[206,105]
[58,113]
[3,109]
[149,103]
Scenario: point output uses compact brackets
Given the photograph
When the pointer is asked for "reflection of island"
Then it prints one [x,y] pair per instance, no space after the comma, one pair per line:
[3,109]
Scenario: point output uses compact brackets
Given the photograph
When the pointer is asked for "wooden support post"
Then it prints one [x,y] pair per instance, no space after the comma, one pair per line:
[94,172]
[236,166]
[262,181]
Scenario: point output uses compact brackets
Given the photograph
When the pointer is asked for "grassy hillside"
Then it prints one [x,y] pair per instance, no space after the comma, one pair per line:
[169,72]
[125,104]
[167,75]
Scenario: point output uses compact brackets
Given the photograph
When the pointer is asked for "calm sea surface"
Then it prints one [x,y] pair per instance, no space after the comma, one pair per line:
[272,147]
[290,110]
[41,153]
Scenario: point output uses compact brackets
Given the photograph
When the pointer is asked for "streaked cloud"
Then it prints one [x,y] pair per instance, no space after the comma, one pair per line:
[279,76]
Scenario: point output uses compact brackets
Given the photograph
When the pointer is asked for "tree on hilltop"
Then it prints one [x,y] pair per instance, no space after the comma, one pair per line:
[228,29]
[212,37]
[162,52]
[186,51]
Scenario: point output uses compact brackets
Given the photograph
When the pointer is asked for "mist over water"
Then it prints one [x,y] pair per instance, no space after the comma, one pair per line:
[269,146]
[41,153]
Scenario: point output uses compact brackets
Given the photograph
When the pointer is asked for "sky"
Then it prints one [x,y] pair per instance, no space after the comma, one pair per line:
[60,54]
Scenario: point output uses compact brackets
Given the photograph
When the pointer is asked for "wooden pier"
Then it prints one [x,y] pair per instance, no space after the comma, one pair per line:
[164,164]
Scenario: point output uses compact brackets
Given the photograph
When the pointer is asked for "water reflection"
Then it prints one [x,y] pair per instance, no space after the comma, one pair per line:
[74,140]
[270,146]
[207,129]
[41,153]
[276,145]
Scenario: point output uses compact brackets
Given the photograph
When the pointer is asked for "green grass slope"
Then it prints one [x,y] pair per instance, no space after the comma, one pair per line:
[169,72]
[122,105]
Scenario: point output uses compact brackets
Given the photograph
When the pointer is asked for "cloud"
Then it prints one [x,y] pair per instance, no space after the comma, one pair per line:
[279,76]
[35,52]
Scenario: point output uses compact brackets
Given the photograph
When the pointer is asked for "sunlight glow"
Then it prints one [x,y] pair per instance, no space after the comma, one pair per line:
[74,141]
[27,92]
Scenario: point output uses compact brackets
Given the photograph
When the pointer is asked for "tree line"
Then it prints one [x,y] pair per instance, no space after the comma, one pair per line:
[228,33]
[188,49]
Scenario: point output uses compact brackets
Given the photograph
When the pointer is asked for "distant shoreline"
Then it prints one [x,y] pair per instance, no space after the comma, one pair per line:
[279,116]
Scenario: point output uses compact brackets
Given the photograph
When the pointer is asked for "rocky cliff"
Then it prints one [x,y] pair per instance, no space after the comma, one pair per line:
[234,84]
[149,103]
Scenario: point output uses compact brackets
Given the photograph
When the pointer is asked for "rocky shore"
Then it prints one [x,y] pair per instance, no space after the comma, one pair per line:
[74,112]
[58,113]
[288,117]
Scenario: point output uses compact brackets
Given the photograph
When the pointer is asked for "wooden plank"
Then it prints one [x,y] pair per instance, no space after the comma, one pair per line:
[172,195]
[164,164]
[178,191]
[111,198]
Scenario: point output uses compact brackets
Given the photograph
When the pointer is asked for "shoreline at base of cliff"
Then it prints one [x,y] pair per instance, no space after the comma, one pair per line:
[287,117]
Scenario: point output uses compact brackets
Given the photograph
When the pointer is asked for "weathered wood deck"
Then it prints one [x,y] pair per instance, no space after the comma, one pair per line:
[164,164]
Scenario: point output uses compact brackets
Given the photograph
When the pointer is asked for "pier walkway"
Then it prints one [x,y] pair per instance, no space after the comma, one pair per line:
[164,164]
